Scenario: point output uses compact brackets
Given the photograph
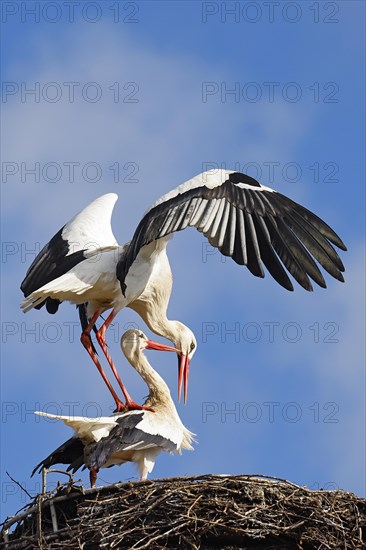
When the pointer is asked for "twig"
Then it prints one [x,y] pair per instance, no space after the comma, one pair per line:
[19,485]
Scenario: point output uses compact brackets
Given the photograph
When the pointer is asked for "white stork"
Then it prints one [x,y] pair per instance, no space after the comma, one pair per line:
[133,436]
[245,220]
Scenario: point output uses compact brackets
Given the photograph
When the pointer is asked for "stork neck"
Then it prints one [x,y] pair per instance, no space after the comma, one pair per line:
[158,389]
[161,325]
[153,311]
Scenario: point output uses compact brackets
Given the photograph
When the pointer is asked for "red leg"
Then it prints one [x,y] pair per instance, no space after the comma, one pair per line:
[130,403]
[93,477]
[86,341]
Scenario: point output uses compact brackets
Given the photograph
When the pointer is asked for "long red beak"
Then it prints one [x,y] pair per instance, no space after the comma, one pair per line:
[160,347]
[183,375]
[183,366]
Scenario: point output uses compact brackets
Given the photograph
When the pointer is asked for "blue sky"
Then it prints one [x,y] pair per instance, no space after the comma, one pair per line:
[137,102]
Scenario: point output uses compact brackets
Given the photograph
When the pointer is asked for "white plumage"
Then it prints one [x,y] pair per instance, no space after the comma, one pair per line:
[245,220]
[135,436]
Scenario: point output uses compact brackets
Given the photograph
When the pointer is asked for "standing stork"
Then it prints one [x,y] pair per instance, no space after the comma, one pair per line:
[245,220]
[133,436]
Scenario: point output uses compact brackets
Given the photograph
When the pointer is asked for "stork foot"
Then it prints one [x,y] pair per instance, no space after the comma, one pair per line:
[132,406]
[120,407]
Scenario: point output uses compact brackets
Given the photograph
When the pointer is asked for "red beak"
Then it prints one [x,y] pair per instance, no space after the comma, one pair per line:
[183,366]
[160,347]
[183,375]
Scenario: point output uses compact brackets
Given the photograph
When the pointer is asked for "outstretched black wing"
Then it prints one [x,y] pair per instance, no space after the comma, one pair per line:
[247,221]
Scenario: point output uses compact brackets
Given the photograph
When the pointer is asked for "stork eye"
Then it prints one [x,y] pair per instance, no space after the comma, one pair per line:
[193,345]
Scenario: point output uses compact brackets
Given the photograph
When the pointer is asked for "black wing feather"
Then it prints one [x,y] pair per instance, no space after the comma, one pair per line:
[317,246]
[268,255]
[53,261]
[332,262]
[254,260]
[262,226]
[71,452]
[122,436]
[313,219]
[74,453]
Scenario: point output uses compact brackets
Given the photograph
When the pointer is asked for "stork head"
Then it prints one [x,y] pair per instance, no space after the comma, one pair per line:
[185,341]
[134,341]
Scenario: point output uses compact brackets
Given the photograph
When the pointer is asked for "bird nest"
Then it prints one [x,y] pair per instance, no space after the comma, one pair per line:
[208,511]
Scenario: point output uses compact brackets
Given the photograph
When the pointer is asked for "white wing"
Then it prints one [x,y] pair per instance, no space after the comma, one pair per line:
[87,429]
[89,230]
